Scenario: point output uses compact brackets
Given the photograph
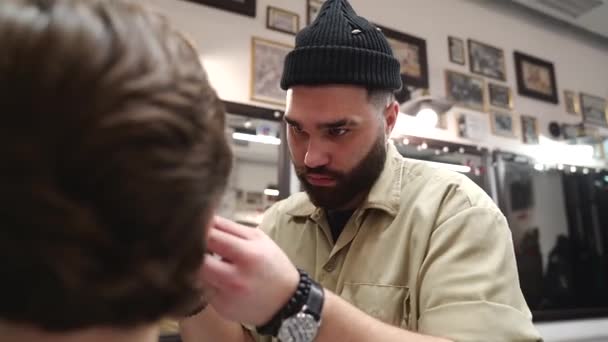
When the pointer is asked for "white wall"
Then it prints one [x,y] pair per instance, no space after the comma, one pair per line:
[225,38]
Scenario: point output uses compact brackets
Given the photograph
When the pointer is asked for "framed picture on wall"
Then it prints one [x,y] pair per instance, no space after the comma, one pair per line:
[571,103]
[500,96]
[244,7]
[410,51]
[466,90]
[456,49]
[281,20]
[535,78]
[267,59]
[473,126]
[503,123]
[314,6]
[486,60]
[529,129]
[594,110]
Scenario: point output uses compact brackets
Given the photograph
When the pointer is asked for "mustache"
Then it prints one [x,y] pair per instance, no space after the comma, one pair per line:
[303,171]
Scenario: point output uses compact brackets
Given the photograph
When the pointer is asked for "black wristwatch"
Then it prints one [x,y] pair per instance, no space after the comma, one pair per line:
[299,320]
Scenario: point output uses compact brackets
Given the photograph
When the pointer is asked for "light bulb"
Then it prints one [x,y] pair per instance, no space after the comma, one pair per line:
[428,117]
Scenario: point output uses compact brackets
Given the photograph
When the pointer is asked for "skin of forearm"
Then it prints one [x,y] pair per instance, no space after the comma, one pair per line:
[209,326]
[340,322]
[343,322]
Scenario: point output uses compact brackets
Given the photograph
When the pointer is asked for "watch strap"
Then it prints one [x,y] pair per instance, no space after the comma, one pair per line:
[293,306]
[316,298]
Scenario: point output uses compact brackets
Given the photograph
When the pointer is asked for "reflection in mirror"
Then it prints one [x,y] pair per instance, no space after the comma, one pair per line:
[252,186]
[559,223]
[468,160]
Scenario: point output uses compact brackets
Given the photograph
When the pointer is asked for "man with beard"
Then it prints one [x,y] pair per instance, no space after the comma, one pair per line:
[385,249]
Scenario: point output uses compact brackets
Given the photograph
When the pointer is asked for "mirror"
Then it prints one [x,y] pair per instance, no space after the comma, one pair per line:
[559,222]
[253,183]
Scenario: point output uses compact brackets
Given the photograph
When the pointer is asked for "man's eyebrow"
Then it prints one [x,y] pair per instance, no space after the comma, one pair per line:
[337,123]
[291,121]
[324,125]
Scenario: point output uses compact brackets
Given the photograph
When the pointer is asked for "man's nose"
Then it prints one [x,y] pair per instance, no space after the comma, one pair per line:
[315,156]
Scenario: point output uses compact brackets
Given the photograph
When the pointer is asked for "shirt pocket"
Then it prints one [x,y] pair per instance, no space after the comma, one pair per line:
[388,303]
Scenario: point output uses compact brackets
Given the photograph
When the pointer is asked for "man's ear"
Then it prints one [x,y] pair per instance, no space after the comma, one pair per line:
[390,117]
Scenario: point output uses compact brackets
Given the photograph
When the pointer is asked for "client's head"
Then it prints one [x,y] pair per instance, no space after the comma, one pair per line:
[112,158]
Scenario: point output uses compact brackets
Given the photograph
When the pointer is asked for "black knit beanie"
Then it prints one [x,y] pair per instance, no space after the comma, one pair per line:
[340,47]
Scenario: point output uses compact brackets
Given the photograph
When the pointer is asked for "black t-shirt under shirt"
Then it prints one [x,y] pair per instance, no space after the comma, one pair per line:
[337,220]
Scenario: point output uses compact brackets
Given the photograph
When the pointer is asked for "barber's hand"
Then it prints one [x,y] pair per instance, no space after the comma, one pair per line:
[253,279]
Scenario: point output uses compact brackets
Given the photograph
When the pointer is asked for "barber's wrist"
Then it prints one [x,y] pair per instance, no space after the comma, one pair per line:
[290,307]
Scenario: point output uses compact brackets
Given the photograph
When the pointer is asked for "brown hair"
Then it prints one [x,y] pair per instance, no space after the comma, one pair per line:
[113,157]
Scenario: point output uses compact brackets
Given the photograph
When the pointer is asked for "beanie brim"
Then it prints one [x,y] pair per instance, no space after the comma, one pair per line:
[318,65]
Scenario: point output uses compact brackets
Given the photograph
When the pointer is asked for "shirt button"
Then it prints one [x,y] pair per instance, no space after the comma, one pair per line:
[330,266]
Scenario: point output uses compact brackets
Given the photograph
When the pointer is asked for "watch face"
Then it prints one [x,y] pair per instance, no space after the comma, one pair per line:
[299,328]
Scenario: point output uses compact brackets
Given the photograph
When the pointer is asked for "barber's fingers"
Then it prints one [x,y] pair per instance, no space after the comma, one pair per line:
[233,228]
[227,246]
[221,275]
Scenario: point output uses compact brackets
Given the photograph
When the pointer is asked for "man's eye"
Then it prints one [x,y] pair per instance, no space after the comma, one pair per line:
[337,132]
[296,129]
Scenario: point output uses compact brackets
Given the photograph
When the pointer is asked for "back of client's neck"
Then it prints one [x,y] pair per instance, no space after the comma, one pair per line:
[18,333]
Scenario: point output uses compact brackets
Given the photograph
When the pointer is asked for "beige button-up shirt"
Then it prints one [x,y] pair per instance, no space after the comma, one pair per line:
[427,251]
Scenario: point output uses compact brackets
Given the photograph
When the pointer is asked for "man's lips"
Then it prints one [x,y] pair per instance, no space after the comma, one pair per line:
[320,180]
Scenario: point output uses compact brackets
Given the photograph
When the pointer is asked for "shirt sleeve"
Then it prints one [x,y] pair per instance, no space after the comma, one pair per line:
[469,287]
[257,337]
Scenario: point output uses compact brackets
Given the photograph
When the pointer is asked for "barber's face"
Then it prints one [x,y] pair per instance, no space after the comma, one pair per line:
[337,141]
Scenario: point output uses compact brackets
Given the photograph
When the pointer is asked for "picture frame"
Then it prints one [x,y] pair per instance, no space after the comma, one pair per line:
[529,129]
[487,60]
[572,103]
[472,125]
[594,110]
[500,96]
[535,78]
[312,10]
[267,58]
[503,123]
[281,20]
[465,90]
[410,51]
[456,50]
[243,7]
